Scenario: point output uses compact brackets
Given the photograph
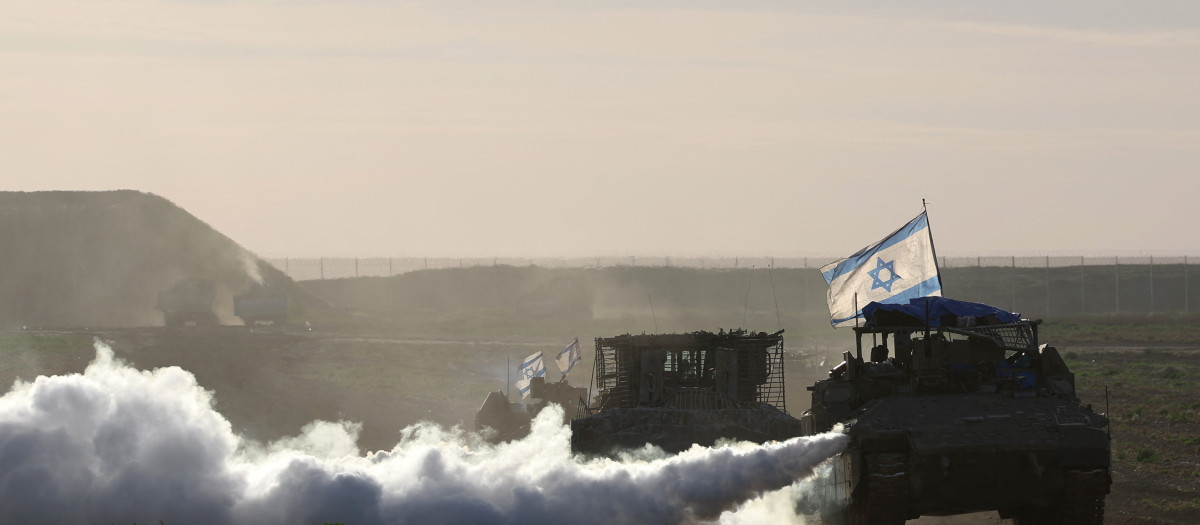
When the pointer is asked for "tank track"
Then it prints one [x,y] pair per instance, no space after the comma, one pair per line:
[887,487]
[1083,496]
[1081,502]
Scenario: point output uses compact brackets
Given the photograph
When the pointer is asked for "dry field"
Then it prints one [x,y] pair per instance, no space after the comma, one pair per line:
[270,383]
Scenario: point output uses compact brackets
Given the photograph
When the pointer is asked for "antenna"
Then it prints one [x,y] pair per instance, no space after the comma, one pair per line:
[856,310]
[652,314]
[1107,413]
[771,274]
[746,308]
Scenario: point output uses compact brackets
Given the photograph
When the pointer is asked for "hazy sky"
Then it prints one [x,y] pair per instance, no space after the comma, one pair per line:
[395,128]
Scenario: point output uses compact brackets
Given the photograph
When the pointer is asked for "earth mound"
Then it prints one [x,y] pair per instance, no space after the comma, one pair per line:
[99,259]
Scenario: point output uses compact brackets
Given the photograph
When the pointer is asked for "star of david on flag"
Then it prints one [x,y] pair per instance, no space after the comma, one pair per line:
[568,357]
[900,267]
[891,276]
[530,368]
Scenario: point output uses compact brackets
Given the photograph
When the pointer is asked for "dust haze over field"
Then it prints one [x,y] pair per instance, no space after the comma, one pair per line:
[99,259]
[117,444]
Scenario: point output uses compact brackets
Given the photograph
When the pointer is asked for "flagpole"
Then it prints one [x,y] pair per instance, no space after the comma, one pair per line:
[929,226]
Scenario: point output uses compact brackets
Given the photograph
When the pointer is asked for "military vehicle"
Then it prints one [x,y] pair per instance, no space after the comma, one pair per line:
[509,421]
[189,301]
[676,390]
[261,305]
[958,408]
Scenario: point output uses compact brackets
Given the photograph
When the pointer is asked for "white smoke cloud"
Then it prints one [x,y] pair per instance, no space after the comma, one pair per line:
[250,264]
[119,445]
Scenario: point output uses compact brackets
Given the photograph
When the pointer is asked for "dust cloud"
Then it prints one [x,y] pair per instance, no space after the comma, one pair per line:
[99,259]
[115,444]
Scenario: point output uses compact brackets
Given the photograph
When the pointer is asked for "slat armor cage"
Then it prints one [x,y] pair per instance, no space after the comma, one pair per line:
[698,370]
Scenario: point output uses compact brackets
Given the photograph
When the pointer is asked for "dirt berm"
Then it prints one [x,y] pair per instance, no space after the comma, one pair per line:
[99,259]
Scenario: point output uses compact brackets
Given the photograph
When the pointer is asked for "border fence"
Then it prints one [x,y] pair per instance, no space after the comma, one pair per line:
[1032,285]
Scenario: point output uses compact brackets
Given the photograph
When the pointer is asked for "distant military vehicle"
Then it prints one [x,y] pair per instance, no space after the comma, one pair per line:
[189,301]
[508,420]
[261,305]
[675,390]
[957,408]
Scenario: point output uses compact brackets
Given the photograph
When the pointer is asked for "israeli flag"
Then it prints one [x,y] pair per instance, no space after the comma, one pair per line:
[530,368]
[568,357]
[900,267]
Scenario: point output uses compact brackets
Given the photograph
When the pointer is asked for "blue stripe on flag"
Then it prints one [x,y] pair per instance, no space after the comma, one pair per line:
[864,255]
[927,287]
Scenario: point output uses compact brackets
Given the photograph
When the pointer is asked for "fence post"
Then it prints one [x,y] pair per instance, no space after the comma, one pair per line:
[1151,284]
[1117,290]
[1186,290]
[1082,289]
[1047,286]
[1013,280]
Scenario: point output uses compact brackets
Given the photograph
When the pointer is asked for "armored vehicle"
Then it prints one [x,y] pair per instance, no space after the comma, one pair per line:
[261,305]
[675,390]
[189,301]
[958,408]
[508,420]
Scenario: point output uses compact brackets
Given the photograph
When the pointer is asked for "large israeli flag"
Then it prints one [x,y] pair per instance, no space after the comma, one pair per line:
[898,268]
[530,368]
[568,357]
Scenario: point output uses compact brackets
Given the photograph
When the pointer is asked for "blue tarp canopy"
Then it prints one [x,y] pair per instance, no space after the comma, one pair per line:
[941,312]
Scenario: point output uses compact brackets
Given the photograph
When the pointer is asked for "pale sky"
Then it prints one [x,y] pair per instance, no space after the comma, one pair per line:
[558,128]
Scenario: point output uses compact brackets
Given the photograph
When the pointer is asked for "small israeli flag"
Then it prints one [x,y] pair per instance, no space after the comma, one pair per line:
[568,357]
[900,267]
[530,368]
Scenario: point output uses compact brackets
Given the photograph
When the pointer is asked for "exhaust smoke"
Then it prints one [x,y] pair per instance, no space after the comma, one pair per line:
[116,444]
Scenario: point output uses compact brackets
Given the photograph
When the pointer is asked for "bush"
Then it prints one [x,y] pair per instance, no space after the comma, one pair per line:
[1171,372]
[1147,455]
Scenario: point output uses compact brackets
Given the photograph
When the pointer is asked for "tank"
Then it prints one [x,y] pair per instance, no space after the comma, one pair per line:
[189,301]
[956,408]
[676,390]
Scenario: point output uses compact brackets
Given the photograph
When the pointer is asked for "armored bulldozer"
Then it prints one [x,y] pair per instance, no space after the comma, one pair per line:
[676,390]
[955,408]
[508,421]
